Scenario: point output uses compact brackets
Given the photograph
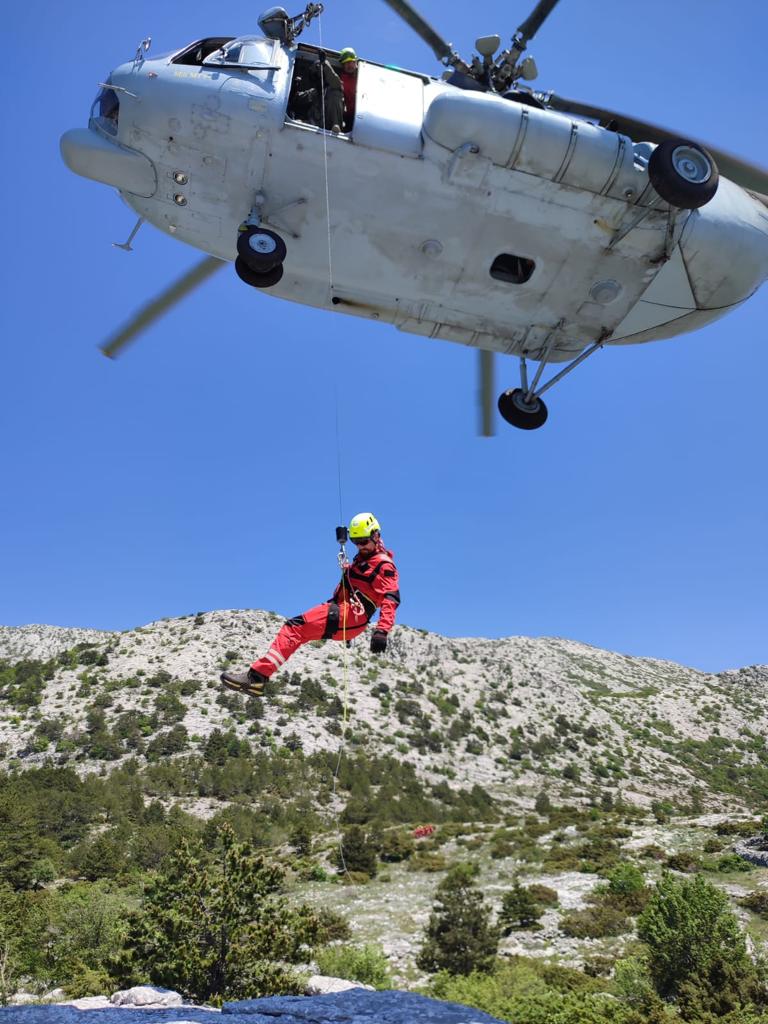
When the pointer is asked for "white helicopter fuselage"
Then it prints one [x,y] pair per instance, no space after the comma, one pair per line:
[450,214]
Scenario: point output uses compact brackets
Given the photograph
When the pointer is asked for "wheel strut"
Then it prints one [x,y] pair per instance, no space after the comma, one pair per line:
[523,407]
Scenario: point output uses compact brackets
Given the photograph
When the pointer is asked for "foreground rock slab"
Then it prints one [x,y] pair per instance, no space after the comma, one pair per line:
[353,1007]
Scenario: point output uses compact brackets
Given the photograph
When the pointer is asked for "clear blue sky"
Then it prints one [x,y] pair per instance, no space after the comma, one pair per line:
[199,471]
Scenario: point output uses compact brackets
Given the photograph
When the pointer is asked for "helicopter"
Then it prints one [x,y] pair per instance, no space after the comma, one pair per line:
[466,207]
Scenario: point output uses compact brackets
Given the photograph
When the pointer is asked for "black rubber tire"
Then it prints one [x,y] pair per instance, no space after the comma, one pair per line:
[257,278]
[674,187]
[257,260]
[516,412]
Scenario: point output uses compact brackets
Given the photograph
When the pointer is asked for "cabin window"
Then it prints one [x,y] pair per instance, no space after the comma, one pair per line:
[512,269]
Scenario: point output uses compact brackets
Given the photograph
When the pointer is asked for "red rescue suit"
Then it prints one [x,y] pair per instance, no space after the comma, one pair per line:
[349,85]
[369,583]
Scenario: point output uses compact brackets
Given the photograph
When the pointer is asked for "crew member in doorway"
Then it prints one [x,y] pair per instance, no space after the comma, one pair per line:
[333,94]
[348,61]
[368,584]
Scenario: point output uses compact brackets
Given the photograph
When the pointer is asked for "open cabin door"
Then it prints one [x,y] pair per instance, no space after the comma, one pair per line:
[390,110]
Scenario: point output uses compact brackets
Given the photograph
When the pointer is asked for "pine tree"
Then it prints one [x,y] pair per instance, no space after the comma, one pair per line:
[459,937]
[218,928]
[543,804]
[519,909]
[357,852]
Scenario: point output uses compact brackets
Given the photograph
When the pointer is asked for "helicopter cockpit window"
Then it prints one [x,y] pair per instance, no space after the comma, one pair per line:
[512,269]
[245,52]
[196,53]
[106,110]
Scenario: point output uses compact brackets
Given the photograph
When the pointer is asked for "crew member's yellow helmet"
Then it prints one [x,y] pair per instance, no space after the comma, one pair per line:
[362,525]
[347,54]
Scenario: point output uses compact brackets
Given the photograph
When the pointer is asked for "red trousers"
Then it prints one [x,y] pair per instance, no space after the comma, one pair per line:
[327,621]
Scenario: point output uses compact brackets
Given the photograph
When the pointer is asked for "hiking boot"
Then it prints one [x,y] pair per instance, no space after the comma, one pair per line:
[250,682]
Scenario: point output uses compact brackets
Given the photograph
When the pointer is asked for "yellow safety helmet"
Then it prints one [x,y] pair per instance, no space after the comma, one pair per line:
[347,54]
[362,525]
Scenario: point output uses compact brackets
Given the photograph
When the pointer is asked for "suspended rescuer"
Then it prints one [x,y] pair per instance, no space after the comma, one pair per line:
[368,584]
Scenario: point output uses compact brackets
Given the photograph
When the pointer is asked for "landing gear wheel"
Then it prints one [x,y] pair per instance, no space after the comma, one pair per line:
[256,278]
[522,414]
[683,173]
[260,249]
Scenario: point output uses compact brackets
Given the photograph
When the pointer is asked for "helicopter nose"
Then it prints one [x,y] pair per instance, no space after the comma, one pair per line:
[90,155]
[725,246]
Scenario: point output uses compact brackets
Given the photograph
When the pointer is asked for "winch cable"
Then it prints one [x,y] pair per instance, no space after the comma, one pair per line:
[343,551]
[325,162]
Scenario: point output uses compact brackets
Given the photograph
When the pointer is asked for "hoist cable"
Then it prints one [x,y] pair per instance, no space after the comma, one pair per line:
[342,553]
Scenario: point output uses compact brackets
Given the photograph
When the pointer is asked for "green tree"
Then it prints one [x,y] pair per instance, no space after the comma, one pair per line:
[460,937]
[697,952]
[357,852]
[543,804]
[100,857]
[519,909]
[217,927]
[301,839]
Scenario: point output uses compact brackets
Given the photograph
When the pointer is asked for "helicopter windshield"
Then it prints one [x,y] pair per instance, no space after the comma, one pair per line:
[106,110]
[247,51]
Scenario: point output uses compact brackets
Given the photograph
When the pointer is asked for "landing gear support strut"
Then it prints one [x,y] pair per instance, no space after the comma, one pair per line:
[260,252]
[523,407]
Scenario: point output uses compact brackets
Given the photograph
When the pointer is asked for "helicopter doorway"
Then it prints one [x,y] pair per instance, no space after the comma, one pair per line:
[316,96]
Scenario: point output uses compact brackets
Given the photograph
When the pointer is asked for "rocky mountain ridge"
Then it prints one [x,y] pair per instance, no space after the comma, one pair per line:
[515,716]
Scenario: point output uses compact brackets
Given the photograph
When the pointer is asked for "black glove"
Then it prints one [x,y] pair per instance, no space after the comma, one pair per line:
[379,641]
[321,56]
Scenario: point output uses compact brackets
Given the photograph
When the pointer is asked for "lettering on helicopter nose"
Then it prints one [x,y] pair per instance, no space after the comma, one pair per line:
[208,117]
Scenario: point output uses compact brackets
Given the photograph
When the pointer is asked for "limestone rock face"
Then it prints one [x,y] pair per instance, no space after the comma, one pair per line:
[321,985]
[146,995]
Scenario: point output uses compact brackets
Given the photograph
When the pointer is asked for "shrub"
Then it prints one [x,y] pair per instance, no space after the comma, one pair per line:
[685,861]
[757,902]
[696,951]
[367,964]
[23,683]
[733,862]
[527,991]
[543,894]
[396,846]
[429,861]
[594,922]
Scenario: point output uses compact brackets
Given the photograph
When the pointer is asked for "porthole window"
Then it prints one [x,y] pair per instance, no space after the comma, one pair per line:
[512,269]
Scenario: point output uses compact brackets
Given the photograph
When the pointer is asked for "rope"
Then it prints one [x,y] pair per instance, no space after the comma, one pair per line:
[342,553]
[325,162]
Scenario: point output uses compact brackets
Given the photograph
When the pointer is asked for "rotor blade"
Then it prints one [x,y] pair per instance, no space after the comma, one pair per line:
[748,175]
[158,307]
[485,392]
[436,43]
[535,20]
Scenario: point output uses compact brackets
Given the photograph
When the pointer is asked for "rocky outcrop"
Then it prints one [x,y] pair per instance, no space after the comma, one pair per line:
[353,1007]
[755,850]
